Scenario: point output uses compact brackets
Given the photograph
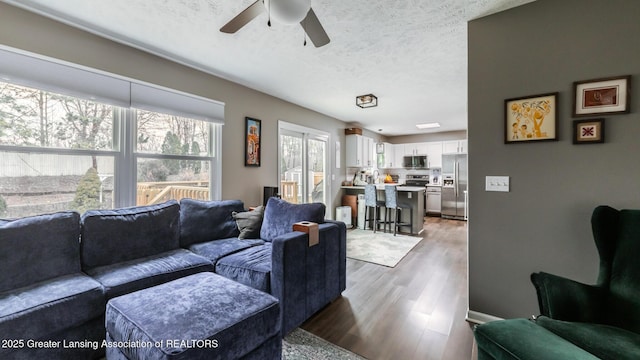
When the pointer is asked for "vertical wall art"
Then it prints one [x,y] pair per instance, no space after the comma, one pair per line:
[252,146]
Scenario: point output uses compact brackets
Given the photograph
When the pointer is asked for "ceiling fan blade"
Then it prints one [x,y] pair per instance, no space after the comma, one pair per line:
[314,29]
[243,18]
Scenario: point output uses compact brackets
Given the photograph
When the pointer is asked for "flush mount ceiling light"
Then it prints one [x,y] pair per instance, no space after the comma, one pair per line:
[366,101]
[428,126]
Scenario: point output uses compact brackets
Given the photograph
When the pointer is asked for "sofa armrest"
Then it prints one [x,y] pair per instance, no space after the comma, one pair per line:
[288,277]
[342,229]
[564,299]
[306,278]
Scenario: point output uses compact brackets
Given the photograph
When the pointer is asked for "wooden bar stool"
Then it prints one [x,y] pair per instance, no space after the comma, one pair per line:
[392,204]
[371,201]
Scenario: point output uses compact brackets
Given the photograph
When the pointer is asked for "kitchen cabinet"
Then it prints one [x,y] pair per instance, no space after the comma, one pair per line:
[359,151]
[368,152]
[385,154]
[434,154]
[415,149]
[433,201]
[454,147]
[398,155]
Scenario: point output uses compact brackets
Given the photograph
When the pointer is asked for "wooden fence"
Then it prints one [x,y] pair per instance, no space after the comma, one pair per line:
[149,193]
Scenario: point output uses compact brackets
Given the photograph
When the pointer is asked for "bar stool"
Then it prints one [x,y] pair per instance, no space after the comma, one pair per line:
[391,203]
[371,201]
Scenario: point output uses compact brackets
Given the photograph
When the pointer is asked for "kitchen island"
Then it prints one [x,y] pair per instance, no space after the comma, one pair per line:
[411,195]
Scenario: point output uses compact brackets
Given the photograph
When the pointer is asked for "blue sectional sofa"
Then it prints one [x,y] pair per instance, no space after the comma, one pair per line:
[57,271]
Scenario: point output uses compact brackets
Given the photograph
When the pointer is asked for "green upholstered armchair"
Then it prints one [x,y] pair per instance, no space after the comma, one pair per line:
[603,319]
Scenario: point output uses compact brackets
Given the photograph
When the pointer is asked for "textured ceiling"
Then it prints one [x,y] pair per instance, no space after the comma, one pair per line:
[412,54]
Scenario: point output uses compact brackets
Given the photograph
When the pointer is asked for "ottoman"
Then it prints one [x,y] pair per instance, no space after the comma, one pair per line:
[201,316]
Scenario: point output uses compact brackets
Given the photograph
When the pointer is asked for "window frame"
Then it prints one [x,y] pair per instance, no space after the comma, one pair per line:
[124,133]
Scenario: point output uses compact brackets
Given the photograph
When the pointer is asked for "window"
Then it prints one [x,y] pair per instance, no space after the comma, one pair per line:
[58,152]
[99,142]
[173,158]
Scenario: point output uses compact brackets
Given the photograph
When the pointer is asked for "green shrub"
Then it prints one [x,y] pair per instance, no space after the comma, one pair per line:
[3,206]
[88,192]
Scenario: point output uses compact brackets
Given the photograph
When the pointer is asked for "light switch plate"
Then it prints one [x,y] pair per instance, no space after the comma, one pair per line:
[497,183]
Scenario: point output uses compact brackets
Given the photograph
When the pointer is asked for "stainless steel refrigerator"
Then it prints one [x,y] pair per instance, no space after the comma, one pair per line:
[454,186]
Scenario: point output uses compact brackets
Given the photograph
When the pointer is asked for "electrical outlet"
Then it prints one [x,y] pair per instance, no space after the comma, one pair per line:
[497,183]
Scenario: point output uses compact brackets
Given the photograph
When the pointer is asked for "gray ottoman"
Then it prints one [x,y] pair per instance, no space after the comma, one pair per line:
[202,316]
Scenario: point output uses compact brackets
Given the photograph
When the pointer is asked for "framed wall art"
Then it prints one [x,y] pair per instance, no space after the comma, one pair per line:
[531,118]
[253,129]
[588,131]
[602,96]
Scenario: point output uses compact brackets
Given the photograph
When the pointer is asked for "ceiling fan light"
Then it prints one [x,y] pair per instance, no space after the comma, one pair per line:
[288,11]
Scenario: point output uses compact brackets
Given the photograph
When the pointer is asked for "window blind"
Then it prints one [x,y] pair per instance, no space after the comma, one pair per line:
[50,75]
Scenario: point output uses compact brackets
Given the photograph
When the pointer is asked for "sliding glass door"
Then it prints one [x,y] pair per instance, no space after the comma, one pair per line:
[303,164]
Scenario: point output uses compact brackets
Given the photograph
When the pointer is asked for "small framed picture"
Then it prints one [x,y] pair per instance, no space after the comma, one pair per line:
[588,131]
[602,96]
[253,128]
[531,118]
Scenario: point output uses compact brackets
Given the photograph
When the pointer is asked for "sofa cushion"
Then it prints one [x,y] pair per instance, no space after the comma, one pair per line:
[133,275]
[521,339]
[48,244]
[251,267]
[114,236]
[605,342]
[217,249]
[202,221]
[249,222]
[40,310]
[197,307]
[279,217]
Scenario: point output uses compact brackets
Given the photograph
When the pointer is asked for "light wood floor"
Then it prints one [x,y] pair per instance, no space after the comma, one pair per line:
[413,311]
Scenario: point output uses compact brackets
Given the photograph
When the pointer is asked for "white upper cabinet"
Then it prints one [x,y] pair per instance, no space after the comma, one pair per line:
[454,147]
[359,151]
[385,153]
[415,149]
[353,150]
[434,154]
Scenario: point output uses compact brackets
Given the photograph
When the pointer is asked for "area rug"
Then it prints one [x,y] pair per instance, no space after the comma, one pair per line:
[303,345]
[379,248]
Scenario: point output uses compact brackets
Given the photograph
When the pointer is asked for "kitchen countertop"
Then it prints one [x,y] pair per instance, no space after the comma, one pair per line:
[381,187]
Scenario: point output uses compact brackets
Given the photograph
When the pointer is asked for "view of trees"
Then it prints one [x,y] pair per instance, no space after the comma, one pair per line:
[37,118]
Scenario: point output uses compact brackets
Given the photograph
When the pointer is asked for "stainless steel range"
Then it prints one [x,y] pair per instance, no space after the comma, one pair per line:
[418,180]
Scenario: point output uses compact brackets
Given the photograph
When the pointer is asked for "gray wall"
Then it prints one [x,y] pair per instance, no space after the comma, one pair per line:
[23,30]
[544,222]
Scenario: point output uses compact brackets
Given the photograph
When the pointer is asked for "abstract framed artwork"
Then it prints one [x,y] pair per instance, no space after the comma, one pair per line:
[588,131]
[253,129]
[531,118]
[602,96]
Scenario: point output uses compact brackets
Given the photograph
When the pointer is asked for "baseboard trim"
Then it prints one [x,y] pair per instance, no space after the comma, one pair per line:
[476,317]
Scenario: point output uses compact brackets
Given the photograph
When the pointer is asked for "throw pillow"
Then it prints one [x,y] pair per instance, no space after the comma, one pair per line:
[249,223]
[279,217]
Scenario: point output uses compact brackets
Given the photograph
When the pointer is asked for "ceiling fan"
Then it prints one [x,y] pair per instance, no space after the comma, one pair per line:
[285,12]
